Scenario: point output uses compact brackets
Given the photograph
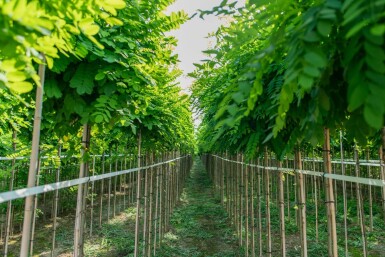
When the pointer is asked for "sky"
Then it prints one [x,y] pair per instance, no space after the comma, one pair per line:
[192,35]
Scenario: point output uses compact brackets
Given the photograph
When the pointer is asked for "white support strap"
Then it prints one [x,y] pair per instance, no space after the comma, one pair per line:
[21,193]
[366,181]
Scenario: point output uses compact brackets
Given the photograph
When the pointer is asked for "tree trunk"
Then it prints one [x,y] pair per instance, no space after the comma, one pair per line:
[330,205]
[80,207]
[301,204]
[360,205]
[29,201]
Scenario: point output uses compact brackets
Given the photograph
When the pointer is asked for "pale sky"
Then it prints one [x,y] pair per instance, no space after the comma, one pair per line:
[192,36]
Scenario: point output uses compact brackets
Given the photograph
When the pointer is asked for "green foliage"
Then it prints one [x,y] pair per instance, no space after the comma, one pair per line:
[283,71]
[37,30]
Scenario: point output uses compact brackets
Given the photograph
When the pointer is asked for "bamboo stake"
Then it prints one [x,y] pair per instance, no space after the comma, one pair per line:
[281,202]
[301,204]
[145,208]
[102,191]
[34,211]
[259,210]
[56,202]
[267,199]
[246,180]
[115,182]
[360,204]
[370,195]
[92,196]
[80,207]
[252,212]
[109,188]
[382,174]
[28,209]
[344,195]
[9,205]
[331,214]
[156,223]
[315,200]
[241,196]
[137,219]
[151,215]
[288,191]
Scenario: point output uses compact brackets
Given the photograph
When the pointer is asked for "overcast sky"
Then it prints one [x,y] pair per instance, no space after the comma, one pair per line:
[192,35]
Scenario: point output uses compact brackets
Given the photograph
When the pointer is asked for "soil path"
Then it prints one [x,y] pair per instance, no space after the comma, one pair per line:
[199,224]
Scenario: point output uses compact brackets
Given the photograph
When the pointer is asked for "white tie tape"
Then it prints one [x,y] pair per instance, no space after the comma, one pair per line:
[21,193]
[366,181]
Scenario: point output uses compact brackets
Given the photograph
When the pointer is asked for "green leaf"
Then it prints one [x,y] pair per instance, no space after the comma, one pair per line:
[315,59]
[238,97]
[20,87]
[324,27]
[311,71]
[82,80]
[99,118]
[51,89]
[16,76]
[372,117]
[305,81]
[118,4]
[358,97]
[324,100]
[378,30]
[374,50]
[100,76]
[88,27]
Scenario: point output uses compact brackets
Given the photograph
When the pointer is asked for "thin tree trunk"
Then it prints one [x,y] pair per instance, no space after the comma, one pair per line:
[301,204]
[330,205]
[28,209]
[80,207]
[360,204]
[137,219]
